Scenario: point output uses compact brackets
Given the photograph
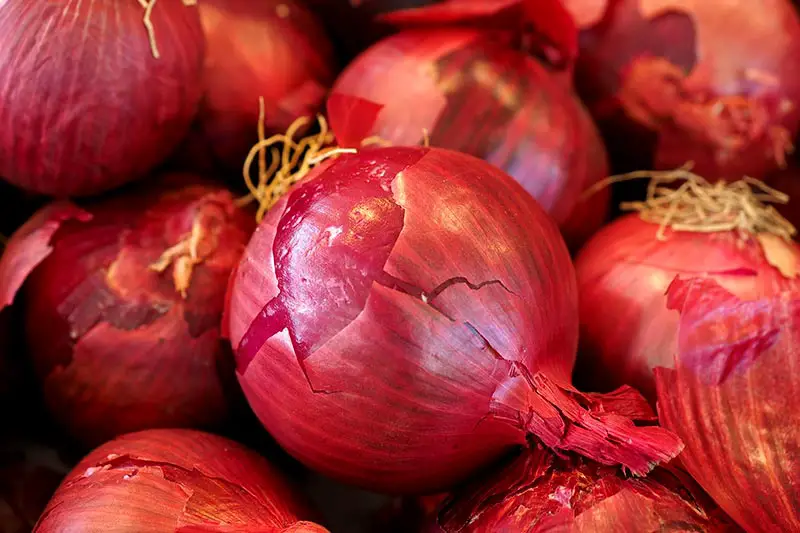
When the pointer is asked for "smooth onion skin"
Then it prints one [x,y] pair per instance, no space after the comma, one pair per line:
[175,481]
[732,397]
[114,345]
[477,95]
[369,384]
[275,49]
[105,113]
[724,49]
[623,274]
[540,492]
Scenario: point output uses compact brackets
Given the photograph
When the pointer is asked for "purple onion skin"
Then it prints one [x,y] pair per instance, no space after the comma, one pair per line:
[84,105]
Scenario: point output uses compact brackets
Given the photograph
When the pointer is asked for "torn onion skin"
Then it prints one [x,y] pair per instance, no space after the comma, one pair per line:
[407,316]
[176,481]
[672,81]
[539,491]
[114,343]
[107,112]
[275,49]
[476,94]
[731,396]
[623,274]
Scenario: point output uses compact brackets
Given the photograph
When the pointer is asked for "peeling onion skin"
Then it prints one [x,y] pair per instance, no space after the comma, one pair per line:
[623,274]
[395,317]
[275,49]
[123,350]
[107,112]
[538,492]
[175,481]
[645,64]
[480,96]
[732,397]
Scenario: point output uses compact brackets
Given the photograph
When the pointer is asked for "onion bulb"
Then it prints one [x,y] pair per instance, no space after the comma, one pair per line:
[721,232]
[672,81]
[731,396]
[94,94]
[123,299]
[175,481]
[408,314]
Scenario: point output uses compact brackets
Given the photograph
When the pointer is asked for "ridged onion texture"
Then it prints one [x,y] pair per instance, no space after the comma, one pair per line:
[175,481]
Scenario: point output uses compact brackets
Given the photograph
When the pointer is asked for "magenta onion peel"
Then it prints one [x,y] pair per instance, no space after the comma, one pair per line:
[732,397]
[115,344]
[175,481]
[409,314]
[84,104]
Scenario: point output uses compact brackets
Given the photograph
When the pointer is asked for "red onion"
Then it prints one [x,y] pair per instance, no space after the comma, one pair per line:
[539,491]
[108,111]
[478,95]
[179,481]
[623,273]
[408,315]
[672,81]
[732,397]
[275,49]
[123,348]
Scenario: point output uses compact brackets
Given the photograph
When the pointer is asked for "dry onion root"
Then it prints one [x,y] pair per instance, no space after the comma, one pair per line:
[148,6]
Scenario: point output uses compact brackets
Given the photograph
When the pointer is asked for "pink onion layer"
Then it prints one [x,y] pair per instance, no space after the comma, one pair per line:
[84,104]
[539,491]
[733,399]
[623,274]
[409,315]
[480,96]
[671,81]
[115,346]
[175,481]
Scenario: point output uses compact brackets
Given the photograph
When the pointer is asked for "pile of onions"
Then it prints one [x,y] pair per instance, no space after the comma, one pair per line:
[408,315]
[123,299]
[107,111]
[625,269]
[472,90]
[539,491]
[733,399]
[180,481]
[672,81]
[272,49]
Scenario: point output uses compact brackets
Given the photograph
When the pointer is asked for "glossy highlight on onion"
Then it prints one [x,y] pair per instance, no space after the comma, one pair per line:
[672,81]
[176,481]
[123,298]
[408,315]
[84,105]
[466,90]
[732,397]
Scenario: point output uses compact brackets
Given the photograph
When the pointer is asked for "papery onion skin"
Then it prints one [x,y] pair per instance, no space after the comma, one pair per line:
[107,112]
[623,274]
[732,398]
[175,481]
[116,348]
[274,49]
[538,491]
[660,77]
[477,95]
[406,317]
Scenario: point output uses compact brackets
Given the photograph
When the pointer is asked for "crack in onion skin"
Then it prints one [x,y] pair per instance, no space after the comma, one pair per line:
[123,350]
[731,397]
[105,112]
[175,481]
[480,96]
[708,81]
[407,316]
[623,274]
[538,491]
[275,49]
